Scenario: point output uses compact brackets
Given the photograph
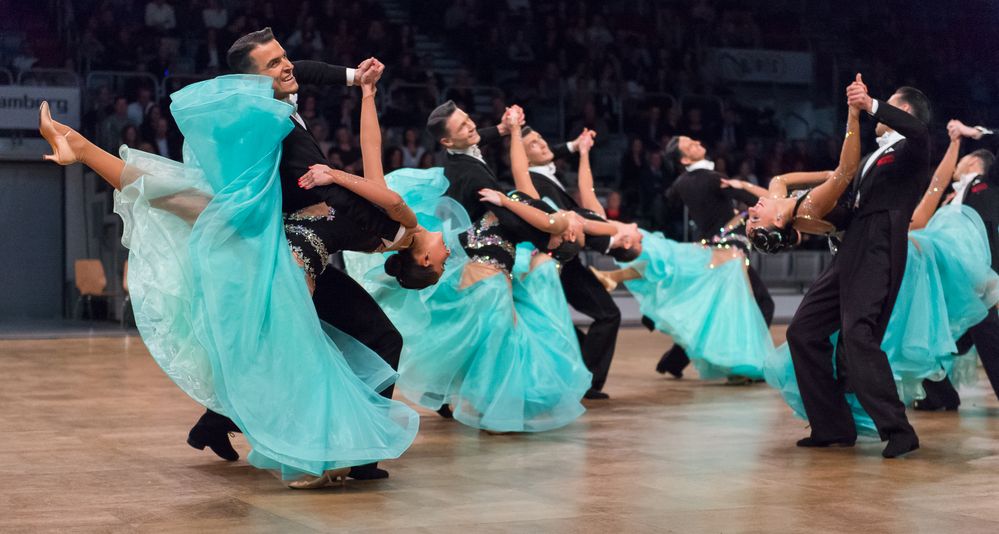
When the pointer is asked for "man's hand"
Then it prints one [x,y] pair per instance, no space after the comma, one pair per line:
[575,228]
[361,69]
[857,97]
[956,127]
[513,118]
[373,73]
[588,135]
[503,127]
[585,141]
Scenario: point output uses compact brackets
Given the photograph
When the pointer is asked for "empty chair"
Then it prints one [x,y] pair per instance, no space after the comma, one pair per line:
[90,282]
[807,265]
[775,270]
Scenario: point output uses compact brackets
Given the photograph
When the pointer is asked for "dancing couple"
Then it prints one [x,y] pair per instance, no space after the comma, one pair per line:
[227,248]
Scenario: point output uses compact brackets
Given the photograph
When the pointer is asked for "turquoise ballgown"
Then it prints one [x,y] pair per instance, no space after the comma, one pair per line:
[222,304]
[502,352]
[708,309]
[948,287]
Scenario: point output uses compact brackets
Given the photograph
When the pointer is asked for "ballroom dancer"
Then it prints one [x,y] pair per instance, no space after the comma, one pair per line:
[698,294]
[976,185]
[582,290]
[248,346]
[856,293]
[339,300]
[948,286]
[717,223]
[496,347]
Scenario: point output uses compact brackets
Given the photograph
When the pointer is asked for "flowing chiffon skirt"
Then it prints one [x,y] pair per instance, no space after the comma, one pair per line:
[707,308]
[223,306]
[948,287]
[501,352]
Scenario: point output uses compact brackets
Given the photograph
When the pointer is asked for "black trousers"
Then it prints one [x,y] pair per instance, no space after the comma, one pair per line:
[676,360]
[985,337]
[585,293]
[343,303]
[854,295]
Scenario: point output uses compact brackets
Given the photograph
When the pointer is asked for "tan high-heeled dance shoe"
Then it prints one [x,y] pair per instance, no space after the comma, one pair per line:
[327,479]
[62,154]
[606,281]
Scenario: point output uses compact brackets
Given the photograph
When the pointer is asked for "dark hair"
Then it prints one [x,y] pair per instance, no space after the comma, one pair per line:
[408,272]
[525,129]
[238,57]
[986,157]
[918,103]
[437,121]
[624,255]
[773,240]
[673,156]
[566,251]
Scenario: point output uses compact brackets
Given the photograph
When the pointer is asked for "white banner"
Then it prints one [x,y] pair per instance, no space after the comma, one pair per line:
[19,105]
[771,66]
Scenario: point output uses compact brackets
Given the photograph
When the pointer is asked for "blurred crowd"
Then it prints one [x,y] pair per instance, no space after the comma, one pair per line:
[633,71]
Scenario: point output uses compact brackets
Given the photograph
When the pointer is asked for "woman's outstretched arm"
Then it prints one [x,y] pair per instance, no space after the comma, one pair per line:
[941,178]
[823,198]
[554,223]
[519,165]
[587,193]
[781,184]
[371,133]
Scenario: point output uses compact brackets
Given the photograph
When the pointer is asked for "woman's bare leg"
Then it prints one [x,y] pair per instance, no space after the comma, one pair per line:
[68,147]
[611,279]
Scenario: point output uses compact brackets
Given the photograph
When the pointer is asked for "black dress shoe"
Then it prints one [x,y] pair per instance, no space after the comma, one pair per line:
[664,367]
[216,439]
[822,443]
[593,394]
[899,444]
[367,472]
[648,323]
[446,412]
[933,405]
[212,431]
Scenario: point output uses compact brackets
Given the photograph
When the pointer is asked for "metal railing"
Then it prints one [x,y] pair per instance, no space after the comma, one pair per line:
[666,101]
[176,82]
[116,80]
[57,77]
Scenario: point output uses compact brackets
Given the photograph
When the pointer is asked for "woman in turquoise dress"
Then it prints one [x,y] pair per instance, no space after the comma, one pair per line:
[698,294]
[491,347]
[948,286]
[221,301]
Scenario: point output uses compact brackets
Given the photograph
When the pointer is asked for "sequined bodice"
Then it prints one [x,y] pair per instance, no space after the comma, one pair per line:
[494,237]
[487,241]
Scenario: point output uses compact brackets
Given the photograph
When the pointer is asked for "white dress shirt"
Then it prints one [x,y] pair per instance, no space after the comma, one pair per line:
[472,151]
[961,186]
[703,164]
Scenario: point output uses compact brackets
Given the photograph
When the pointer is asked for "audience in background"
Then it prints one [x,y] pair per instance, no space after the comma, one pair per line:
[636,72]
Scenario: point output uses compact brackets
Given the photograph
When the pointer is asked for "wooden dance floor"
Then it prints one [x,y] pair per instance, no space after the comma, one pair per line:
[93,440]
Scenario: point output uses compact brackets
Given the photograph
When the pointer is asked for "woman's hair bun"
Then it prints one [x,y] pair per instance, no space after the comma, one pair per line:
[393,265]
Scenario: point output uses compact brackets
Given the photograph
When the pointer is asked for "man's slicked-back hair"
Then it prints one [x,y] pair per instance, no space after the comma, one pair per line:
[986,157]
[919,104]
[238,56]
[673,156]
[437,121]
